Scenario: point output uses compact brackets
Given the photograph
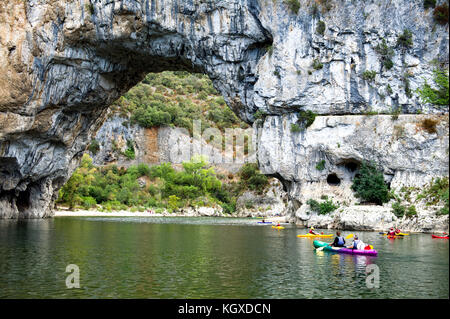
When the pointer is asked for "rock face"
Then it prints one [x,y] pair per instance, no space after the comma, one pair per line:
[271,202]
[373,218]
[162,144]
[63,62]
[408,154]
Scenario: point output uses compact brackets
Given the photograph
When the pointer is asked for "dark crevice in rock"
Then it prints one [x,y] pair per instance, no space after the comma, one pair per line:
[333,179]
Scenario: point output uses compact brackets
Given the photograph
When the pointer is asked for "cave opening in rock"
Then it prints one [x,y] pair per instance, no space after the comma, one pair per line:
[23,200]
[333,180]
[351,166]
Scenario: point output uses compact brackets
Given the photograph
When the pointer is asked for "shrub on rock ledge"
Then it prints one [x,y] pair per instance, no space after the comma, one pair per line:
[369,184]
[322,208]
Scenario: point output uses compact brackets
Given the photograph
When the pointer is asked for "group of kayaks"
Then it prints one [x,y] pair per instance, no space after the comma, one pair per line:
[397,235]
[273,226]
[321,245]
[343,250]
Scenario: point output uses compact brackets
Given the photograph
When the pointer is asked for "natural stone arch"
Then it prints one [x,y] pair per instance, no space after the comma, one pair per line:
[82,55]
[64,61]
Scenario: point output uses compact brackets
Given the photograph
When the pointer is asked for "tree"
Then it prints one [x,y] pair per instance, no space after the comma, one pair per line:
[369,184]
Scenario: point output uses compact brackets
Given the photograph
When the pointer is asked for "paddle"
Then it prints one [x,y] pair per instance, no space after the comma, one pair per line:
[348,236]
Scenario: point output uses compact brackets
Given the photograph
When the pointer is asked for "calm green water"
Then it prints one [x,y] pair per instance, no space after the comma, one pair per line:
[206,258]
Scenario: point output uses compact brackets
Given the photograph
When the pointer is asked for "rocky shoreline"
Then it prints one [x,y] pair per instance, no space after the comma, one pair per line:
[369,218]
[376,218]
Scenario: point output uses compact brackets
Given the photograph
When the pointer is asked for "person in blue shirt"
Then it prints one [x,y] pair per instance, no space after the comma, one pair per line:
[355,243]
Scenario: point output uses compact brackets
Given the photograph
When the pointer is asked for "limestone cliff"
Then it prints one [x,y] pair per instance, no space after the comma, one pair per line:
[63,62]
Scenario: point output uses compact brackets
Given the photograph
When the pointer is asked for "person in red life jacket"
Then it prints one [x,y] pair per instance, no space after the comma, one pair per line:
[397,231]
[312,232]
[391,232]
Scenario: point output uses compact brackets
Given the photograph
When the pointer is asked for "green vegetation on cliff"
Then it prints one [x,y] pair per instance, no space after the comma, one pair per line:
[322,208]
[176,99]
[436,192]
[158,187]
[369,184]
[438,95]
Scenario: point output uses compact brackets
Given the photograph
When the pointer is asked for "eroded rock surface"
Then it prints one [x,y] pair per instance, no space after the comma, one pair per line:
[63,62]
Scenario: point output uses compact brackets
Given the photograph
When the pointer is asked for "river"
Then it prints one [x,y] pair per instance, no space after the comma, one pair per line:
[182,257]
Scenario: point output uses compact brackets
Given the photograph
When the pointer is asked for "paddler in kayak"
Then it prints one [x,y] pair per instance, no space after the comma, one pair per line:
[339,241]
[358,244]
[311,231]
[391,232]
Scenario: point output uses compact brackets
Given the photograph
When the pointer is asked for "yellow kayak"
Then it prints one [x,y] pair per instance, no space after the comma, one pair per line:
[399,234]
[312,236]
[278,227]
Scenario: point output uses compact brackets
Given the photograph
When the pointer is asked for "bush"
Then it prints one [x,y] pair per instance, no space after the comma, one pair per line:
[437,96]
[411,211]
[173,202]
[369,75]
[317,65]
[251,178]
[435,192]
[322,208]
[445,199]
[129,152]
[294,5]
[259,114]
[295,128]
[320,29]
[307,118]
[88,202]
[369,184]
[405,39]
[429,125]
[408,92]
[94,147]
[440,14]
[320,165]
[398,209]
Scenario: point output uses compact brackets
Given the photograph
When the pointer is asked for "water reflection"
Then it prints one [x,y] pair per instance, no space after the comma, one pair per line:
[205,258]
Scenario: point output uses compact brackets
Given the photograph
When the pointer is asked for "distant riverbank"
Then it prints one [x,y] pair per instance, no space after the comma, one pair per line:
[354,218]
[200,212]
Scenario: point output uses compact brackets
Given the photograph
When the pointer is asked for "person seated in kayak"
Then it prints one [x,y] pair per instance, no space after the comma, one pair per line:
[339,241]
[397,231]
[311,231]
[357,243]
[391,232]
